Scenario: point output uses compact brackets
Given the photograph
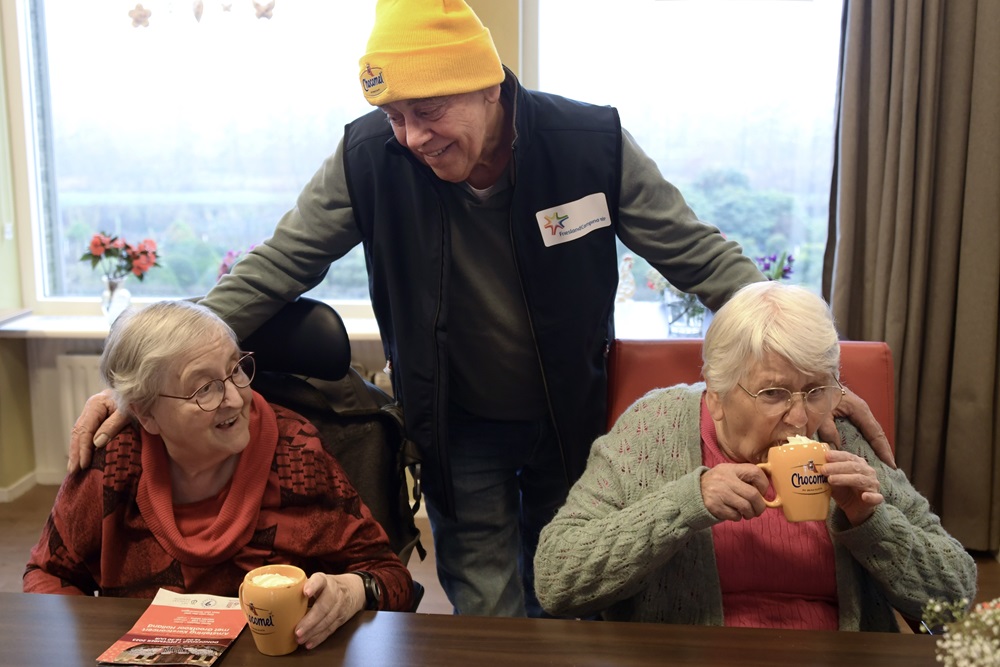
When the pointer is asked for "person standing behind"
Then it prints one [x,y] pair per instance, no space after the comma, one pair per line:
[489,215]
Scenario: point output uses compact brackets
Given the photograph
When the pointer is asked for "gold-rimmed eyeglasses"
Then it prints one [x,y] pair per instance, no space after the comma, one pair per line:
[209,396]
[773,401]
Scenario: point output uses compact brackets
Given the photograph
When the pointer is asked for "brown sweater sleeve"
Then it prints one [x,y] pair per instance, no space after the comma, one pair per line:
[363,544]
[70,539]
[333,528]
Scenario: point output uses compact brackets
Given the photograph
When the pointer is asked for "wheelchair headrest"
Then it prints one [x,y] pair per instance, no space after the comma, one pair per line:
[306,337]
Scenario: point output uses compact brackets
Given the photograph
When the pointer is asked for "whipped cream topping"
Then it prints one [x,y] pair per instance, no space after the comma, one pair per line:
[271,580]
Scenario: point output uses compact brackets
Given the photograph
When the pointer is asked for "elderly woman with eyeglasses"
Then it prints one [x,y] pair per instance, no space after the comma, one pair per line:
[668,523]
[208,483]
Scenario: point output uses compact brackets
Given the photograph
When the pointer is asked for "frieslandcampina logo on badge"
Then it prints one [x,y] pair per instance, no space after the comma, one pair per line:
[573,220]
[372,80]
[555,222]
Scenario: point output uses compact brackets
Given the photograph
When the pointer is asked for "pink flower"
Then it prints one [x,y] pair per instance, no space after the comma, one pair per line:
[232,256]
[117,258]
[98,244]
[142,263]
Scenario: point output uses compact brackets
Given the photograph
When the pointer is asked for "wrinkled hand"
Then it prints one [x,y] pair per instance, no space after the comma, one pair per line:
[97,424]
[336,599]
[856,409]
[734,491]
[854,486]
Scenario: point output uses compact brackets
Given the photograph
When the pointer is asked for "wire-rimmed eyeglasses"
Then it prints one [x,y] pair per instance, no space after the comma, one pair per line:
[773,401]
[209,395]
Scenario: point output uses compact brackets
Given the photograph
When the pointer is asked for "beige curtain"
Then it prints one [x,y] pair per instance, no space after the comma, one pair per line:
[914,250]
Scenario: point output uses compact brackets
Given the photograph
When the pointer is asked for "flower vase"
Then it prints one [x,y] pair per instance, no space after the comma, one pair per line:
[115,298]
[685,316]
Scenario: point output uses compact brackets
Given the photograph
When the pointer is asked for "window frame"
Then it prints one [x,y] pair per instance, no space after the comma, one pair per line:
[515,31]
[26,189]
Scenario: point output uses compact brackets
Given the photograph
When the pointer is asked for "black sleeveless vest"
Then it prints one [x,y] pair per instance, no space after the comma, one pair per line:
[563,151]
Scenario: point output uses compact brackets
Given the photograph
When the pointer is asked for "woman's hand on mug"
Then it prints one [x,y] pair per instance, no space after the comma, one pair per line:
[853,484]
[734,491]
[336,599]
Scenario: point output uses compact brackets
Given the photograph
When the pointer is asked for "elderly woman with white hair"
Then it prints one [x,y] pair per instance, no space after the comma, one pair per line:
[668,523]
[209,482]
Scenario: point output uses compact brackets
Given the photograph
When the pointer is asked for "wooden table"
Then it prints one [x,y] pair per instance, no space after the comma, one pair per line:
[65,631]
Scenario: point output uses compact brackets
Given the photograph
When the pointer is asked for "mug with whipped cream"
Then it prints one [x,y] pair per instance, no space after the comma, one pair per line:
[273,601]
[796,472]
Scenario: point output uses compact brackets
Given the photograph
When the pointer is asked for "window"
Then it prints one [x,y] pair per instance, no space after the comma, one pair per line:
[200,134]
[196,132]
[734,99]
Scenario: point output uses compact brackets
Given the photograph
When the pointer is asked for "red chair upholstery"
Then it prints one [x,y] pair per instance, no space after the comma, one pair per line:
[637,366]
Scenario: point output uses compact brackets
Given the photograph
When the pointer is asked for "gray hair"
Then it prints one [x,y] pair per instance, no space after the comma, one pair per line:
[770,317]
[145,343]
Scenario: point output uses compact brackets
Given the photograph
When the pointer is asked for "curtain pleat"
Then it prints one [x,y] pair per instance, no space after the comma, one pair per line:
[914,255]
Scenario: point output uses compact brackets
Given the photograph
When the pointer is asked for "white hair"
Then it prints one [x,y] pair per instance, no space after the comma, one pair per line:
[770,317]
[145,343]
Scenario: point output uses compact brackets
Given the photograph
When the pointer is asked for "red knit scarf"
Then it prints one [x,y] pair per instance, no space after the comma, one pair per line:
[236,521]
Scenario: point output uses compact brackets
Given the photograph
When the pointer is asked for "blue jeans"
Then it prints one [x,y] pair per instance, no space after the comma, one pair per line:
[509,482]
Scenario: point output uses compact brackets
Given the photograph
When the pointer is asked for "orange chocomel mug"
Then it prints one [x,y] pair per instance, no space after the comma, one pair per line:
[796,472]
[273,601]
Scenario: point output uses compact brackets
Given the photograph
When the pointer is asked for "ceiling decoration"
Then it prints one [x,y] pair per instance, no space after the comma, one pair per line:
[142,15]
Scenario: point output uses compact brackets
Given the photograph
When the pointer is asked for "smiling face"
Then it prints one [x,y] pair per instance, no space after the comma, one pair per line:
[460,137]
[744,434]
[194,437]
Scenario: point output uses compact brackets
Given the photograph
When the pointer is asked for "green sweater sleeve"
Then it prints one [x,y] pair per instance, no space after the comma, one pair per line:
[903,546]
[319,230]
[656,223]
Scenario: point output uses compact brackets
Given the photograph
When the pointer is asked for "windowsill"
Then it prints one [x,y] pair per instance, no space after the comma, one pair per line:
[25,325]
[644,320]
[11,314]
[634,320]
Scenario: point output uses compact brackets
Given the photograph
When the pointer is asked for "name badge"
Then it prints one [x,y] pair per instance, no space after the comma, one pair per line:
[568,222]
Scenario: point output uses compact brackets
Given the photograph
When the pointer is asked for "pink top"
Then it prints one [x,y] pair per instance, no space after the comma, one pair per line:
[773,574]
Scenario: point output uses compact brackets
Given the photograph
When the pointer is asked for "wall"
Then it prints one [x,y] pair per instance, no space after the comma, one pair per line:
[51,438]
[10,279]
[17,462]
[503,18]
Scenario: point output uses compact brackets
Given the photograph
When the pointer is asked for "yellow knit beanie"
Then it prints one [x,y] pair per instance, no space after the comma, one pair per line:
[427,48]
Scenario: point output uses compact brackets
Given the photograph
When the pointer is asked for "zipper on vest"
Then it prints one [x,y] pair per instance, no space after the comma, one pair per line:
[531,326]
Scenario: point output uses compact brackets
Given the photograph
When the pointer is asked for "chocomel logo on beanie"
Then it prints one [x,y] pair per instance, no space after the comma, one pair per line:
[372,81]
[427,48]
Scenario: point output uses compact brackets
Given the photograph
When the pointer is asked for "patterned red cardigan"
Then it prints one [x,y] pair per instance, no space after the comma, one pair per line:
[289,501]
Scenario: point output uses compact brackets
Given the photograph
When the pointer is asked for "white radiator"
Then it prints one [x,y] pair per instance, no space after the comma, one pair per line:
[79,378]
